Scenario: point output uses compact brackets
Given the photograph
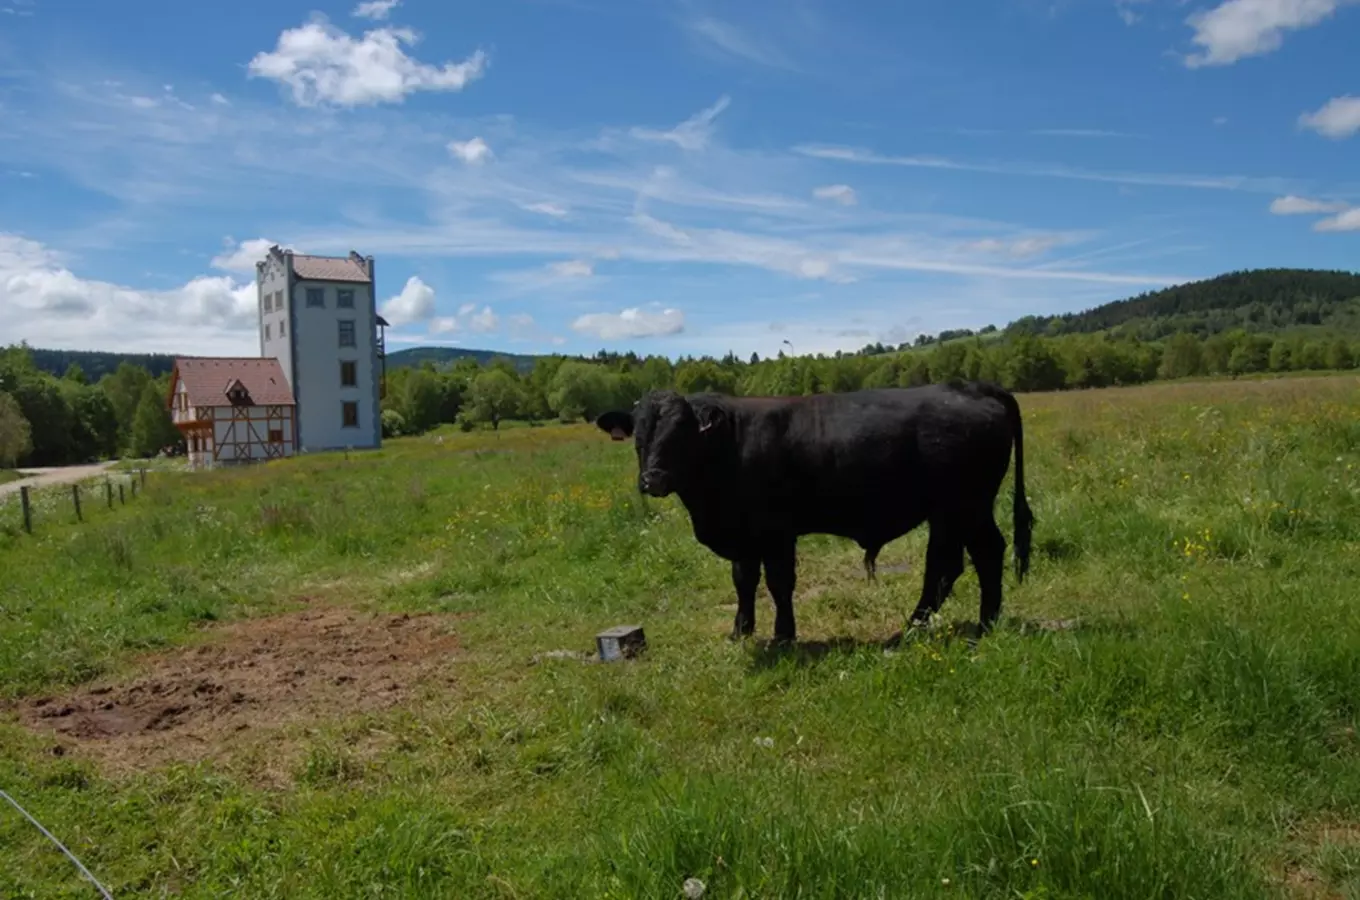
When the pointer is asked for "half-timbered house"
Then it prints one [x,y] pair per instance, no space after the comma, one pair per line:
[233,409]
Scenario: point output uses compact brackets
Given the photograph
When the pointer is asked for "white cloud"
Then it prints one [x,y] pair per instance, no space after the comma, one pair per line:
[241,258]
[1344,221]
[323,65]
[483,321]
[219,99]
[692,134]
[1338,118]
[375,9]
[415,303]
[1237,29]
[631,323]
[573,268]
[1291,205]
[843,194]
[443,325]
[50,306]
[474,152]
[556,210]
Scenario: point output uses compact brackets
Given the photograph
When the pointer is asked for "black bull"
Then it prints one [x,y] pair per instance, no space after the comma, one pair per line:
[755,473]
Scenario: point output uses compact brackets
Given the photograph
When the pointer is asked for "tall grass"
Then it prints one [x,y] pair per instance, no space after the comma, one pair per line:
[1168,709]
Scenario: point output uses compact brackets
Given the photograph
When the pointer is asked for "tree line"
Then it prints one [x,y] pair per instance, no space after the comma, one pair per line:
[571,388]
[47,419]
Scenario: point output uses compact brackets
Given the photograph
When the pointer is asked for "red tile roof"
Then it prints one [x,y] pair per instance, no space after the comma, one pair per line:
[206,379]
[329,268]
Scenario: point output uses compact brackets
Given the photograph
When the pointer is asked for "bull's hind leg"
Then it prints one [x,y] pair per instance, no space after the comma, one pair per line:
[780,578]
[944,565]
[746,579]
[871,563]
[987,549]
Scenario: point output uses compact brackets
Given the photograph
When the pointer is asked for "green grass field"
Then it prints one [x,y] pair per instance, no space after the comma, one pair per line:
[318,679]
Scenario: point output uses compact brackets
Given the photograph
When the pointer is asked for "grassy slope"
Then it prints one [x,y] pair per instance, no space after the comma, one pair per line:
[7,475]
[1186,740]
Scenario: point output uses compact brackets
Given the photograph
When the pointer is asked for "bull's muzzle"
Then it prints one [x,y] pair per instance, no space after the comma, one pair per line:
[654,483]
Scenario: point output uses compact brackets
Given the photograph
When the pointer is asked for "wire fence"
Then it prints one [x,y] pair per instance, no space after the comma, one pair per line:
[30,507]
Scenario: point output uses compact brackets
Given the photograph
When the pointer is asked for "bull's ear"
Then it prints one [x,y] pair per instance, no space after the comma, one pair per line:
[616,423]
[712,417]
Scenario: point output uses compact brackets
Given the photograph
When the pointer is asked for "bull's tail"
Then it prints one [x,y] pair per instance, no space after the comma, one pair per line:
[1023,515]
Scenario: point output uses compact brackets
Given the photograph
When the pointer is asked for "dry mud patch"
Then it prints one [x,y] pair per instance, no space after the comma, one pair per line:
[251,678]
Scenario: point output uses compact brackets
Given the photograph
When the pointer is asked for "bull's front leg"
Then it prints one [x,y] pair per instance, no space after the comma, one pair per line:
[746,579]
[780,578]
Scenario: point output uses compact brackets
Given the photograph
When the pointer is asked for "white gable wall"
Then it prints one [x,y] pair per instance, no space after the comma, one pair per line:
[317,355]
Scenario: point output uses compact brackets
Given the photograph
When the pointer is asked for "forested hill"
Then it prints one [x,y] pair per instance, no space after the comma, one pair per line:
[1257,300]
[95,364]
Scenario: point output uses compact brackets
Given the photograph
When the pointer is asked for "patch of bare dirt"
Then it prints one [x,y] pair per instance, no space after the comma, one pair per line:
[254,675]
[1298,875]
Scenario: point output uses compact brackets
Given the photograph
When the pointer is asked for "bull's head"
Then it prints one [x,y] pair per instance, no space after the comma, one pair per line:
[670,434]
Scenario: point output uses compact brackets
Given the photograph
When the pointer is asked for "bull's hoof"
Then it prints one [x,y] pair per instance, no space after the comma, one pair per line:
[784,640]
[739,634]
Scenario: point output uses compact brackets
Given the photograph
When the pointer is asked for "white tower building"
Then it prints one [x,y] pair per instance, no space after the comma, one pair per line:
[319,318]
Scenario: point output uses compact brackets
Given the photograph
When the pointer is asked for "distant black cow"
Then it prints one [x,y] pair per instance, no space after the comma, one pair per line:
[755,473]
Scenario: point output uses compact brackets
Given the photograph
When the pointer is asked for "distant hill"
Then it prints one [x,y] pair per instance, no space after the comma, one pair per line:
[98,363]
[440,356]
[1257,300]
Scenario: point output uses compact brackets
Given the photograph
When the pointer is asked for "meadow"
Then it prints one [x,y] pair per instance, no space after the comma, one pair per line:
[365,678]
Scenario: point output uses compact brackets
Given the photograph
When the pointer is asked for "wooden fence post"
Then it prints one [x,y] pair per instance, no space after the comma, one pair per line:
[121,498]
[28,511]
[108,490]
[143,476]
[132,483]
[75,498]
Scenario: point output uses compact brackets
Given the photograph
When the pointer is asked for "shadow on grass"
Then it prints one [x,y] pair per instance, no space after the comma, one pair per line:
[767,653]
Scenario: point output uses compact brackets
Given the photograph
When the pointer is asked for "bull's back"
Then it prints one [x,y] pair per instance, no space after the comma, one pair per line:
[872,462]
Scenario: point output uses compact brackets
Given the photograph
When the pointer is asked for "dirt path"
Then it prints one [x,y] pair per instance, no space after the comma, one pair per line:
[54,475]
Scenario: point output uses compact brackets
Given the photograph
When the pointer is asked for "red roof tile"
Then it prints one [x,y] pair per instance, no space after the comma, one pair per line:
[329,268]
[206,379]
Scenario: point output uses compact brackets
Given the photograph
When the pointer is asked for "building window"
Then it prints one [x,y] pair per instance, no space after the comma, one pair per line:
[346,332]
[344,298]
[278,300]
[266,332]
[268,302]
[283,327]
[349,373]
[349,411]
[276,435]
[316,296]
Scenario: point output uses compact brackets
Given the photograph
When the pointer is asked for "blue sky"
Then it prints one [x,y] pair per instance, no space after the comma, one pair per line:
[671,176]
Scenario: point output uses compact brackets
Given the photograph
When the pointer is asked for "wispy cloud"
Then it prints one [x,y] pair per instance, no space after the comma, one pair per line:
[1082,133]
[692,134]
[843,194]
[1153,179]
[730,40]
[556,232]
[1237,29]
[375,9]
